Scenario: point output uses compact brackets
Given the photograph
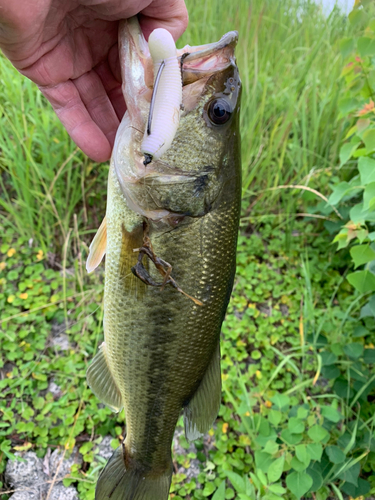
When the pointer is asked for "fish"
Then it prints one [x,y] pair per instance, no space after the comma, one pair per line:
[169,238]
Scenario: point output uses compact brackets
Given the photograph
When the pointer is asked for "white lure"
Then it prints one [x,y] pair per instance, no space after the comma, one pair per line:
[165,107]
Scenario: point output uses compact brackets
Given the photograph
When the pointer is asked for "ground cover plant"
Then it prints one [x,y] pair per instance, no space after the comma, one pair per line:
[297,415]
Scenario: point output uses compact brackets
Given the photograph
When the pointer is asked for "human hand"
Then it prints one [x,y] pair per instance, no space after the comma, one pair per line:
[69,49]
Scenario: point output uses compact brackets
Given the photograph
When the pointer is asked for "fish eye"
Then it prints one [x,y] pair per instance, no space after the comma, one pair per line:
[219,111]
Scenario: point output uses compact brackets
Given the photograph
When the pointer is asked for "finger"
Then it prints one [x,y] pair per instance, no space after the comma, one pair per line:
[68,105]
[111,84]
[172,16]
[98,104]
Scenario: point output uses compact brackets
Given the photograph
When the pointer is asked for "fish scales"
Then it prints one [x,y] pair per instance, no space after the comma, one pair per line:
[161,350]
[165,335]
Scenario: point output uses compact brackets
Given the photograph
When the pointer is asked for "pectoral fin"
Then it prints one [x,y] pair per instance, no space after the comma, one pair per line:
[202,410]
[98,247]
[101,382]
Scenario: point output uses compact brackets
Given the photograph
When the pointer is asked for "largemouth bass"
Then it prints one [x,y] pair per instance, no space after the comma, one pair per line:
[170,236]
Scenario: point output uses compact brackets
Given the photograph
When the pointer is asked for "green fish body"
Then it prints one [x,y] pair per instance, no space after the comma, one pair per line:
[161,352]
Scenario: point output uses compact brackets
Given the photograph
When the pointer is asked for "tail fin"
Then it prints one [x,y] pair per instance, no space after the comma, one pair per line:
[118,483]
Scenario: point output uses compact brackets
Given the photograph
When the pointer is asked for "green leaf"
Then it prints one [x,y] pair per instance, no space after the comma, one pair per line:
[347,105]
[335,454]
[208,489]
[275,417]
[346,46]
[331,413]
[362,489]
[316,477]
[369,139]
[290,438]
[354,350]
[363,281]
[297,465]
[330,372]
[302,454]
[262,477]
[338,192]
[220,492]
[342,388]
[369,196]
[351,475]
[237,481]
[357,16]
[299,483]
[280,401]
[317,433]
[302,412]
[263,460]
[346,152]
[295,425]
[315,450]
[361,254]
[366,46]
[328,358]
[276,469]
[271,447]
[369,356]
[366,167]
[277,488]
[360,331]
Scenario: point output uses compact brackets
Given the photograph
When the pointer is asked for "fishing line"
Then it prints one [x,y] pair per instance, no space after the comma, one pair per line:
[152,103]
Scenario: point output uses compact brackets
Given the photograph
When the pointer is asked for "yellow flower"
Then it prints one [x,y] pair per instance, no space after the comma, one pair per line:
[23,296]
[39,255]
[225,428]
[268,404]
[258,374]
[11,298]
[11,252]
[2,266]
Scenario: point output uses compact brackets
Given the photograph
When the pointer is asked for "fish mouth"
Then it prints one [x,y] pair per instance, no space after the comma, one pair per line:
[204,60]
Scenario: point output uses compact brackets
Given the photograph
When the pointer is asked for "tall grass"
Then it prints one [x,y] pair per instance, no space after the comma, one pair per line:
[44,178]
[289,62]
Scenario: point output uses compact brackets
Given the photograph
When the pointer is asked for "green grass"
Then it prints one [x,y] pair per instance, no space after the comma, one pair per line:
[44,179]
[265,364]
[289,62]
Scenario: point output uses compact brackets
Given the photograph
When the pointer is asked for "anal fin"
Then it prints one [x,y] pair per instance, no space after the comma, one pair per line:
[202,409]
[98,247]
[101,382]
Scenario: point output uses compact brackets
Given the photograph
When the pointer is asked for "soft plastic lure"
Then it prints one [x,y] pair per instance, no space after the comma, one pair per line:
[166,100]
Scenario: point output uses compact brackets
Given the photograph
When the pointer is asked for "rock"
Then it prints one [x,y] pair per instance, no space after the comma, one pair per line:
[59,492]
[105,449]
[66,464]
[26,474]
[61,342]
[54,389]
[25,495]
[35,474]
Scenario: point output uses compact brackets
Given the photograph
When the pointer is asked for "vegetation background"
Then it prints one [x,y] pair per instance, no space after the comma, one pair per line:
[297,417]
